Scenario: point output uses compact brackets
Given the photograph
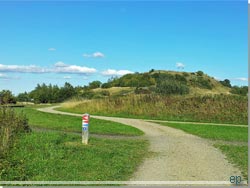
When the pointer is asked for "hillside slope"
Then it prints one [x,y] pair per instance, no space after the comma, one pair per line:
[196,82]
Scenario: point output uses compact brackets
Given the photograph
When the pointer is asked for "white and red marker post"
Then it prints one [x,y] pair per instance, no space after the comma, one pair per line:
[85,128]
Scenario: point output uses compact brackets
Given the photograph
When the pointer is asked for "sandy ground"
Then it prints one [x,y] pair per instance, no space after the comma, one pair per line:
[176,155]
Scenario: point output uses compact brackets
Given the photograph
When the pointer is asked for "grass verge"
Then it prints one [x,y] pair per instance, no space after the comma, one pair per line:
[53,156]
[213,132]
[71,123]
[236,154]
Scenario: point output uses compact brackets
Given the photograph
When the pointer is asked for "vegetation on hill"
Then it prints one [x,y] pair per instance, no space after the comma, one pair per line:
[243,90]
[208,108]
[153,82]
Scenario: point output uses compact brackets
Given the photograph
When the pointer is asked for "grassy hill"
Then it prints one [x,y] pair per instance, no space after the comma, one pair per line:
[147,82]
[165,95]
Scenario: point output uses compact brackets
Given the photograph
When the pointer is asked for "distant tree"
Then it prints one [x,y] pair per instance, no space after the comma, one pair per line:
[243,90]
[23,97]
[199,73]
[106,85]
[226,83]
[152,70]
[6,97]
[95,84]
[67,91]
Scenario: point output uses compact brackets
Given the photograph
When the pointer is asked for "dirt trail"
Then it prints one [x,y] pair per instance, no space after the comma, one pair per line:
[178,156]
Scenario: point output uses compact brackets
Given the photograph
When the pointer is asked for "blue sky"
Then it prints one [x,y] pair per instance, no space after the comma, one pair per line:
[78,42]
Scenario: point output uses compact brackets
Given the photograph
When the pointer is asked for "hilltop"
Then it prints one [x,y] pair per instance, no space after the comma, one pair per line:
[159,80]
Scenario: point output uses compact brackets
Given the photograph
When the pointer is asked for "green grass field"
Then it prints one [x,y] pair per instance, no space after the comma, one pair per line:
[214,132]
[56,156]
[236,154]
[51,155]
[74,124]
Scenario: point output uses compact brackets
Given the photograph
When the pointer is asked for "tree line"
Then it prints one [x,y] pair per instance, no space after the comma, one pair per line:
[162,83]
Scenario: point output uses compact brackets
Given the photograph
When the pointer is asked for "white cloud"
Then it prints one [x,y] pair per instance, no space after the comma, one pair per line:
[94,55]
[98,54]
[112,72]
[60,64]
[3,76]
[22,68]
[60,67]
[67,77]
[52,49]
[180,65]
[74,69]
[86,55]
[241,79]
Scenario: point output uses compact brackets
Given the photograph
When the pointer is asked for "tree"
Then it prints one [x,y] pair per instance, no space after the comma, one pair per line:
[226,83]
[152,70]
[67,91]
[23,97]
[243,90]
[200,73]
[106,85]
[95,84]
[6,97]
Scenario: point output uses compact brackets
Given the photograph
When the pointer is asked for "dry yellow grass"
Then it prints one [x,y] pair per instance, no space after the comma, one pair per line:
[73,103]
[114,90]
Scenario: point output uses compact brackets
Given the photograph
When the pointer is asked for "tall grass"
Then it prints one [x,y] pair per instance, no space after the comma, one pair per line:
[210,108]
[10,125]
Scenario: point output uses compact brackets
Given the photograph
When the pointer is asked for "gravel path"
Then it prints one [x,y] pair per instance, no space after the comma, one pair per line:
[177,156]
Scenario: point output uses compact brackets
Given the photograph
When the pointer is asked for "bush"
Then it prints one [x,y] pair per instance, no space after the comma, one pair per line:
[10,125]
[95,84]
[199,73]
[6,97]
[169,87]
[243,90]
[226,83]
[140,90]
[185,74]
[106,85]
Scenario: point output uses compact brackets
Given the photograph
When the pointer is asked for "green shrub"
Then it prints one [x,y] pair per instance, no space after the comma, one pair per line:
[199,73]
[243,90]
[140,90]
[10,125]
[169,87]
[106,85]
[226,83]
[6,97]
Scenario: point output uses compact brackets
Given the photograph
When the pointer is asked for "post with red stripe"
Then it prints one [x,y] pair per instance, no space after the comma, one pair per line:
[85,128]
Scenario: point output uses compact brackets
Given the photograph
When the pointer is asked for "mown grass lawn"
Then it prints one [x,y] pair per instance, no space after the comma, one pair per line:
[60,156]
[214,132]
[54,156]
[70,123]
[236,154]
